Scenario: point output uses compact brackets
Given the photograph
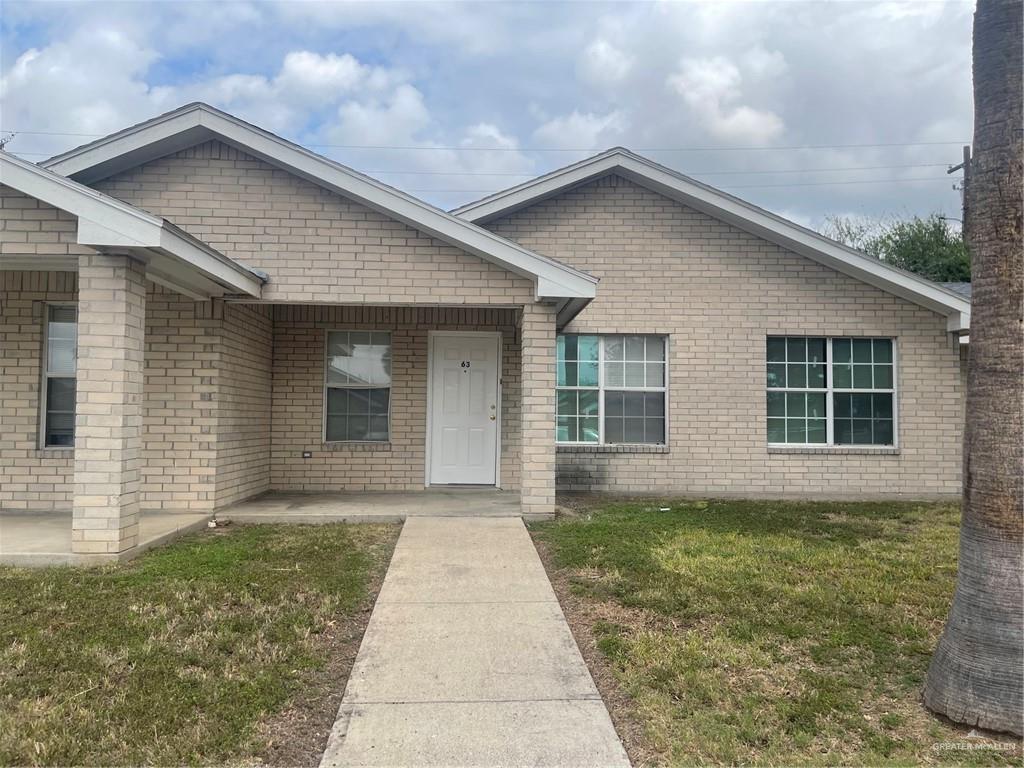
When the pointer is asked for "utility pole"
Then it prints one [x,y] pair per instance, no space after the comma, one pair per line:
[966,166]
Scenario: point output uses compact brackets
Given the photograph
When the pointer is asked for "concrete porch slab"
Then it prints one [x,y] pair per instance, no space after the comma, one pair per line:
[373,506]
[39,539]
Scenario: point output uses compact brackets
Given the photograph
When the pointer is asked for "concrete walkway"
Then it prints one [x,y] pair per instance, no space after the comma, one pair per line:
[468,661]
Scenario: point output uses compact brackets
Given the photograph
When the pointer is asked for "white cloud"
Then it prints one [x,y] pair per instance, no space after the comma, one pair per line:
[711,87]
[68,82]
[396,119]
[99,94]
[581,130]
[488,79]
[759,62]
[602,64]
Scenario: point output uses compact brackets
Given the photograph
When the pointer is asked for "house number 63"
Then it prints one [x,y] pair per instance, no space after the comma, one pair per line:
[465,363]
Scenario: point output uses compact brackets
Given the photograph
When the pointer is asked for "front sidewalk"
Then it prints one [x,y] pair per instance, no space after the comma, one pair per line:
[468,660]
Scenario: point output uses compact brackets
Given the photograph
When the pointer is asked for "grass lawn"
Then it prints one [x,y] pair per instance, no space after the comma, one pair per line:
[727,632]
[185,655]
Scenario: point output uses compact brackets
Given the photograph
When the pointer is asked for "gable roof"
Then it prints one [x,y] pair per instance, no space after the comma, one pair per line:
[196,123]
[962,289]
[732,210]
[173,257]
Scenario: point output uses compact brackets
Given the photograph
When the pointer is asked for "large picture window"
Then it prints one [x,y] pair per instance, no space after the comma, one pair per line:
[59,377]
[830,391]
[611,389]
[357,397]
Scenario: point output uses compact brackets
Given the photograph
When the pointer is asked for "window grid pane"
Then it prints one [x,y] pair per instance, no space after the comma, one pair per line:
[358,358]
[861,391]
[600,378]
[358,386]
[59,374]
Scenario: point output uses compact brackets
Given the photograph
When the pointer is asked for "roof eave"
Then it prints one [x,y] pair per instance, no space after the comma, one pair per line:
[195,123]
[109,225]
[741,214]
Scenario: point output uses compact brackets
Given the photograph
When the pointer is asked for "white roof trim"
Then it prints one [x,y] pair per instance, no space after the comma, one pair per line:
[731,209]
[108,224]
[196,123]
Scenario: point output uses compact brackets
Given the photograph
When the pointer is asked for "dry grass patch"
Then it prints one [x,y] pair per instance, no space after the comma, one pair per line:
[184,655]
[770,633]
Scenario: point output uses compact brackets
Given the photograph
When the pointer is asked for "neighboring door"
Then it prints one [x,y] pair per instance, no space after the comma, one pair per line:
[463,408]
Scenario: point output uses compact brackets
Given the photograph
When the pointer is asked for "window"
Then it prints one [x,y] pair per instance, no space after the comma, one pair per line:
[830,391]
[59,372]
[611,389]
[358,386]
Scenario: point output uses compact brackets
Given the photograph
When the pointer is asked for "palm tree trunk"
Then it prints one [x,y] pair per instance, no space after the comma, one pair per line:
[977,674]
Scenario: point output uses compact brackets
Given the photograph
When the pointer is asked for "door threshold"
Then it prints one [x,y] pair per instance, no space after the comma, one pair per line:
[462,486]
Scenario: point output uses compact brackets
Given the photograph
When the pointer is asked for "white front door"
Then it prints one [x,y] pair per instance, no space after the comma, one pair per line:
[463,408]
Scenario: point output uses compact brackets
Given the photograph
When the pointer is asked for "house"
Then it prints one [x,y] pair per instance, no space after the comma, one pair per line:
[194,311]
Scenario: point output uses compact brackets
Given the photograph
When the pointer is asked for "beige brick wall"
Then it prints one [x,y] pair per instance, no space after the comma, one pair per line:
[243,399]
[717,292]
[30,227]
[179,413]
[206,400]
[207,395]
[298,391]
[30,479]
[316,246]
[538,409]
[108,407]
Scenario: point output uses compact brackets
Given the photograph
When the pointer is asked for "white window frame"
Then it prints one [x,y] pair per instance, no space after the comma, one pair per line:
[45,374]
[390,387]
[830,390]
[601,389]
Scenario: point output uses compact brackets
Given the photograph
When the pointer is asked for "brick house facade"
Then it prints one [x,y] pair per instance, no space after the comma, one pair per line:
[238,298]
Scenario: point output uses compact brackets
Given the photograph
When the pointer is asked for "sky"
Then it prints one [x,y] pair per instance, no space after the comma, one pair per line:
[809,109]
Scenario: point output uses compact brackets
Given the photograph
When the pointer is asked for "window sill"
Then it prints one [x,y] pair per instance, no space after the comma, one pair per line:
[840,450]
[356,446]
[627,448]
[54,453]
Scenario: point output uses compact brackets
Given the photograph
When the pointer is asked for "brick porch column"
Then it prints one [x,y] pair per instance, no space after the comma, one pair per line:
[538,410]
[108,416]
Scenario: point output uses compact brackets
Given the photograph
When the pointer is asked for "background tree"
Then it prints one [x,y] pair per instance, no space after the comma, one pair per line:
[928,246]
[977,673]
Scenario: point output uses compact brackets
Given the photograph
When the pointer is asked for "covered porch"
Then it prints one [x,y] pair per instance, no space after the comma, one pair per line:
[147,374]
[39,539]
[230,408]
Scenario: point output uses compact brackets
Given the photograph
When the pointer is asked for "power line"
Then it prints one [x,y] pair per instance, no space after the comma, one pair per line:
[688,172]
[566,149]
[733,172]
[738,186]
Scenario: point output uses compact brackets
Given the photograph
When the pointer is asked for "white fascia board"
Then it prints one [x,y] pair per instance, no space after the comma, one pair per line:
[553,279]
[106,223]
[530,192]
[734,211]
[118,218]
[98,234]
[199,122]
[209,262]
[104,157]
